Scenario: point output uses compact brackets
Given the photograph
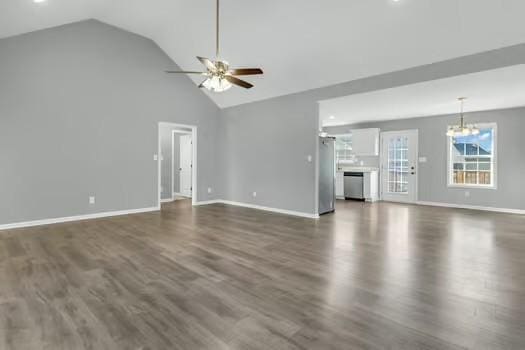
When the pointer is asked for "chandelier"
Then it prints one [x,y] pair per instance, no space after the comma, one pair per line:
[462,129]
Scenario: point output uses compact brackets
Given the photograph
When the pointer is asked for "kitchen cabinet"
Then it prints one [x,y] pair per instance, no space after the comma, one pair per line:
[371,186]
[339,185]
[365,142]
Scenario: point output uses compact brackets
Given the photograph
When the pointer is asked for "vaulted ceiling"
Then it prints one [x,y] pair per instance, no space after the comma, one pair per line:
[300,44]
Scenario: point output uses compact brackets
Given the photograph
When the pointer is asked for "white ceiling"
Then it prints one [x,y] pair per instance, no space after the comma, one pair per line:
[300,44]
[495,89]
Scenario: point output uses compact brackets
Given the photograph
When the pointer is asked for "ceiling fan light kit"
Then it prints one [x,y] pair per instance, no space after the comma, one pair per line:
[219,76]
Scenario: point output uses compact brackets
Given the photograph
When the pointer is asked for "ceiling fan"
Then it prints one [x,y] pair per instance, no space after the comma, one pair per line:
[219,76]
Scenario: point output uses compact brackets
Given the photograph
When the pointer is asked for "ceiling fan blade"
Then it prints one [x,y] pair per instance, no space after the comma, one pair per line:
[201,85]
[238,82]
[246,71]
[208,63]
[182,72]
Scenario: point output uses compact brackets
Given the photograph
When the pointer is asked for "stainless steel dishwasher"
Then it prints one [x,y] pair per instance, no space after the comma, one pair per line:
[354,182]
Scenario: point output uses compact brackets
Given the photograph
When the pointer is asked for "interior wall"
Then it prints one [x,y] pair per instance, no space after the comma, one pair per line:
[265,148]
[264,144]
[432,175]
[79,111]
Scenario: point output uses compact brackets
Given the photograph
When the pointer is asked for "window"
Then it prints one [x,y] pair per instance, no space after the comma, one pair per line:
[343,148]
[472,159]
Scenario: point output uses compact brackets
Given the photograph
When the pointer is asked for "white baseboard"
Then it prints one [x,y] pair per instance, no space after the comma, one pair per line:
[472,207]
[76,218]
[273,210]
[175,194]
[167,200]
[215,201]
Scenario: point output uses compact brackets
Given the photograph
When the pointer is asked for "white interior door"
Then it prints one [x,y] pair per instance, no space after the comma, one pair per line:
[186,157]
[399,153]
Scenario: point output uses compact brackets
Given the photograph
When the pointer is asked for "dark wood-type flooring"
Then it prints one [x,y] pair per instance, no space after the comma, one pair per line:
[371,276]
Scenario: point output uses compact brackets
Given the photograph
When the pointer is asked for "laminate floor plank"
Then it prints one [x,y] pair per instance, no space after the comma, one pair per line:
[370,276]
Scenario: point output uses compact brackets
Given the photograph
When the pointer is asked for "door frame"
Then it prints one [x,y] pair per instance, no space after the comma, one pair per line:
[194,161]
[173,133]
[415,134]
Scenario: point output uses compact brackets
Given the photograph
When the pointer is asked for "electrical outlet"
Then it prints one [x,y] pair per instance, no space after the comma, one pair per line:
[155,157]
[92,200]
[309,158]
[254,194]
[209,190]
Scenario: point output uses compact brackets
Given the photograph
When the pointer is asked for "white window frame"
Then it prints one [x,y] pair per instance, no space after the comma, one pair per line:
[450,172]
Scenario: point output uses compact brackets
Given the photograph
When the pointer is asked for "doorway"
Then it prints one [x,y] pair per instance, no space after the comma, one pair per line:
[399,153]
[177,166]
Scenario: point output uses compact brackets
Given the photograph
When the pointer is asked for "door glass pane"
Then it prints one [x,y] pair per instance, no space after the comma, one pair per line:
[398,165]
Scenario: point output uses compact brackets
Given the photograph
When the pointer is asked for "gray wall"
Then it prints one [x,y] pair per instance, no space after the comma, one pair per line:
[432,175]
[264,149]
[263,144]
[79,112]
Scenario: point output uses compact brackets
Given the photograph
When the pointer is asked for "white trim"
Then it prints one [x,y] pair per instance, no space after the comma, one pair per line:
[472,207]
[214,201]
[274,210]
[259,207]
[76,218]
[175,194]
[167,200]
[172,162]
[317,169]
[494,185]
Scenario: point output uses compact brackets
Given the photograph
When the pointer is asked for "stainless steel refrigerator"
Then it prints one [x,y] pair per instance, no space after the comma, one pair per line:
[326,175]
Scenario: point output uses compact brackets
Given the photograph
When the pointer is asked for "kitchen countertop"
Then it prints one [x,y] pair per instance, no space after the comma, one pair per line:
[357,169]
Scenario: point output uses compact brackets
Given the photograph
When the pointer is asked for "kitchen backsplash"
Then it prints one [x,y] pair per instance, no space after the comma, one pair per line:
[362,161]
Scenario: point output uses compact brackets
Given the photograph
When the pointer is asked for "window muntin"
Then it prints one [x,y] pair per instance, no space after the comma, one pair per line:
[472,159]
[398,165]
[343,148]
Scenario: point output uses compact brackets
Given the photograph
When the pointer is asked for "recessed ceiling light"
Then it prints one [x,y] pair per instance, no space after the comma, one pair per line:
[39,1]
[332,117]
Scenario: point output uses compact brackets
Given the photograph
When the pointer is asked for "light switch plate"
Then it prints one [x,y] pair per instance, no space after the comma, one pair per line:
[92,200]
[209,190]
[309,158]
[155,157]
[422,159]
[254,194]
